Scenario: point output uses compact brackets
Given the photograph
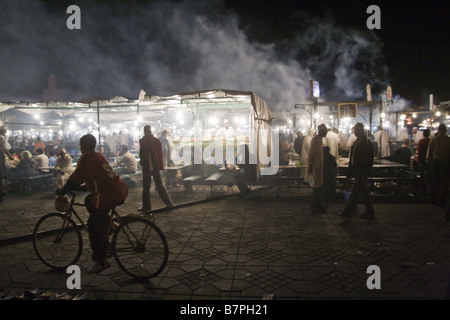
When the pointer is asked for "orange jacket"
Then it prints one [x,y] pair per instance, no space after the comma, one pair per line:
[107,188]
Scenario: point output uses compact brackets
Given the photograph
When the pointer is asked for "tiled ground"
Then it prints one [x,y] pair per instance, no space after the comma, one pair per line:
[256,248]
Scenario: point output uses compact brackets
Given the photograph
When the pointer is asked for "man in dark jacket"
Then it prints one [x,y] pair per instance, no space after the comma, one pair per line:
[151,160]
[438,159]
[424,172]
[359,168]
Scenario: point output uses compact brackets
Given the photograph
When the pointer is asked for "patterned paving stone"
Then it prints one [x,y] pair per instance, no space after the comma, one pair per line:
[253,248]
[198,278]
[268,280]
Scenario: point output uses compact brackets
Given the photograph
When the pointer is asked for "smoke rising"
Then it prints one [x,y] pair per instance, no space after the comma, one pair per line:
[168,48]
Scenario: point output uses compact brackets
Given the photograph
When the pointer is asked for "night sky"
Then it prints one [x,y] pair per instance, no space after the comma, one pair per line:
[272,47]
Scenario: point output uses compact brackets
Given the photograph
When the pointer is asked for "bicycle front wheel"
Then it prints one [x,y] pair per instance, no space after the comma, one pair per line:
[57,241]
[140,248]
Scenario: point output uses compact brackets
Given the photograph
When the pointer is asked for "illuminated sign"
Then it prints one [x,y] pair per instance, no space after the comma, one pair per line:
[314,88]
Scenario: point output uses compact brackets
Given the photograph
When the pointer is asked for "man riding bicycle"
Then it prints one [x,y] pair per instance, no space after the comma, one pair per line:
[107,190]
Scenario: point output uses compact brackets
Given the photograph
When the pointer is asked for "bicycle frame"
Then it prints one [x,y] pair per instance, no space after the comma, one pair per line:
[127,238]
[113,214]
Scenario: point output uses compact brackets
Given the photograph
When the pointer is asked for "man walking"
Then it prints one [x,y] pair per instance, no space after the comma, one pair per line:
[315,170]
[438,158]
[151,160]
[360,165]
[424,172]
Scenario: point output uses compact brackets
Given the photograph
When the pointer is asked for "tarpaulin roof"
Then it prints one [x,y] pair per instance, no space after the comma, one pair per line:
[199,100]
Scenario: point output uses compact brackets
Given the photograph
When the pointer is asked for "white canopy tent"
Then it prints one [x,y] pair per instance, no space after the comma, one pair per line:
[193,111]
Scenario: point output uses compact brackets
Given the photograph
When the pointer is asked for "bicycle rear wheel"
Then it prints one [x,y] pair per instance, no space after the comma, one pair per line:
[57,241]
[140,248]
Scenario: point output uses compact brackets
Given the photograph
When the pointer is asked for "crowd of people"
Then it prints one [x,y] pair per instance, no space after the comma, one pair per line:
[29,157]
[320,150]
[317,149]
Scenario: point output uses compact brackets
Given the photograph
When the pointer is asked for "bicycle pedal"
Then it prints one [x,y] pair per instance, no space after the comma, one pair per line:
[109,251]
[151,217]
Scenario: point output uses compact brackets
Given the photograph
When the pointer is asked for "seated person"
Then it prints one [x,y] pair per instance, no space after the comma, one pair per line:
[26,167]
[51,159]
[247,172]
[284,151]
[127,163]
[63,167]
[12,163]
[41,160]
[403,154]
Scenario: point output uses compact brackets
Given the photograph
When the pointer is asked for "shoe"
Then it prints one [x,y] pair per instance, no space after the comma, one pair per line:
[368,215]
[315,210]
[346,213]
[144,209]
[99,267]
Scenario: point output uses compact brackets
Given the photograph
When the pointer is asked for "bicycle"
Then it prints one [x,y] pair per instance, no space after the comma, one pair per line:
[138,245]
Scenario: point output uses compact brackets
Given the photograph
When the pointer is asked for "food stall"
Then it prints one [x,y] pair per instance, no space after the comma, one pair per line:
[193,117]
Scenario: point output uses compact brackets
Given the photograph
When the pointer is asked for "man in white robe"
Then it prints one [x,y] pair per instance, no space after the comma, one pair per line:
[382,138]
[314,172]
[305,150]
[333,142]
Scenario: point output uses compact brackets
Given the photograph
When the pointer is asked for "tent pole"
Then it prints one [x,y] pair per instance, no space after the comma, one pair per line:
[98,127]
[64,131]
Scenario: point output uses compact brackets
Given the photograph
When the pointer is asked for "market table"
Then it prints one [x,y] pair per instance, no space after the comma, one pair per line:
[288,176]
[172,172]
[386,177]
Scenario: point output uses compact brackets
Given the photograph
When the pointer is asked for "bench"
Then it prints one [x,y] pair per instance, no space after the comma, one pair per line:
[135,177]
[27,185]
[399,178]
[287,182]
[398,181]
[188,182]
[213,179]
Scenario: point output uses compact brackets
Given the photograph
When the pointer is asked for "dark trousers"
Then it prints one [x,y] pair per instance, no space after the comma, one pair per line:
[316,200]
[360,193]
[439,172]
[424,181]
[2,193]
[146,182]
[98,222]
